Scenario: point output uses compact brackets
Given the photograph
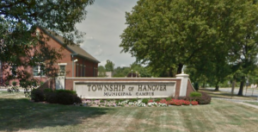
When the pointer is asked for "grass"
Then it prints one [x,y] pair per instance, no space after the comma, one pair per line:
[252,103]
[20,114]
[226,95]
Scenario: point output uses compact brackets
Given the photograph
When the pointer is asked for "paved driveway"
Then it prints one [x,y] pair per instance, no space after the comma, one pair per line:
[246,92]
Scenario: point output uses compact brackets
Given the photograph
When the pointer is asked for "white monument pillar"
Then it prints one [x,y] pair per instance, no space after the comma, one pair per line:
[184,81]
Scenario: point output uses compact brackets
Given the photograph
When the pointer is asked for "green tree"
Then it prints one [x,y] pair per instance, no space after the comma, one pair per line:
[109,66]
[166,35]
[102,71]
[141,71]
[246,61]
[19,19]
[121,71]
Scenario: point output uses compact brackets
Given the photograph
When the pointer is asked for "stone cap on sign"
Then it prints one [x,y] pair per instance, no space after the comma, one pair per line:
[123,78]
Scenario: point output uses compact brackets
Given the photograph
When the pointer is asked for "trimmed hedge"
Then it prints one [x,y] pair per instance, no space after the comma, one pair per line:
[195,95]
[37,95]
[66,97]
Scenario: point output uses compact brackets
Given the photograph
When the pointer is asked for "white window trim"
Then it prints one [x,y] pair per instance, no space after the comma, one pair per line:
[62,63]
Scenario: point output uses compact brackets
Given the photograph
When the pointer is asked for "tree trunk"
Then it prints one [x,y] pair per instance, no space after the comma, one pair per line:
[196,86]
[179,68]
[233,87]
[240,92]
[217,87]
[203,85]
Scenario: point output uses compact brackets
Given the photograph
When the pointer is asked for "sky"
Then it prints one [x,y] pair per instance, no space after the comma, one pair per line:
[104,23]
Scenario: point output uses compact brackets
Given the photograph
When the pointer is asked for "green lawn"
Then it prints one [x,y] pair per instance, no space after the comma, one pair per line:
[253,103]
[20,114]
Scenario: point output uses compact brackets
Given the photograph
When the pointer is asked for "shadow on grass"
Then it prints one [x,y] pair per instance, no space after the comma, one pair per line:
[22,114]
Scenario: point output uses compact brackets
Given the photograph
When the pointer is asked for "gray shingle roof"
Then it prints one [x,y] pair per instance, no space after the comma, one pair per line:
[75,49]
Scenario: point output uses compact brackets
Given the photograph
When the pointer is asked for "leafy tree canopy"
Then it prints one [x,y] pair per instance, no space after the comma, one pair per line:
[101,71]
[19,19]
[169,34]
[109,66]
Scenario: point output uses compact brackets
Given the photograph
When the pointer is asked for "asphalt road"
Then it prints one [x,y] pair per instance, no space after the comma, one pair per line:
[246,92]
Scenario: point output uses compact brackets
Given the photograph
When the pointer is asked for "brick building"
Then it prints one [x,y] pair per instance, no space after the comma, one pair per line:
[75,62]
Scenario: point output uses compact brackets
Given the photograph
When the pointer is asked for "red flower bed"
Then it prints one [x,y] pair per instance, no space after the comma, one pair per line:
[194,102]
[175,102]
[170,102]
[150,101]
[163,101]
[186,102]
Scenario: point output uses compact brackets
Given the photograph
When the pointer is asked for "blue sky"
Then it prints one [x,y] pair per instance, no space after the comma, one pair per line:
[104,23]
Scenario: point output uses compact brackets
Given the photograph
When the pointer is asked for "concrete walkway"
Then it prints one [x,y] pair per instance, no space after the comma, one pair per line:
[243,103]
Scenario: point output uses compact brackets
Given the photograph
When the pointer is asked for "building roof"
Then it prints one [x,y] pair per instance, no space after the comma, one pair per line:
[75,49]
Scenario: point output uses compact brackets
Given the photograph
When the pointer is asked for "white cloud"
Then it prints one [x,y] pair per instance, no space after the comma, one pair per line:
[104,23]
[102,63]
[89,38]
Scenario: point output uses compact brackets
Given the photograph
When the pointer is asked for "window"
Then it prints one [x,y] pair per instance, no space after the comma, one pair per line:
[62,70]
[39,70]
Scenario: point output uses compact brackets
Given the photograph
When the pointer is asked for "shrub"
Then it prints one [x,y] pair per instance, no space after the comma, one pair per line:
[51,97]
[14,83]
[145,101]
[48,90]
[157,100]
[168,99]
[37,95]
[7,83]
[118,101]
[102,101]
[205,99]
[65,97]
[133,100]
[65,91]
[195,95]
